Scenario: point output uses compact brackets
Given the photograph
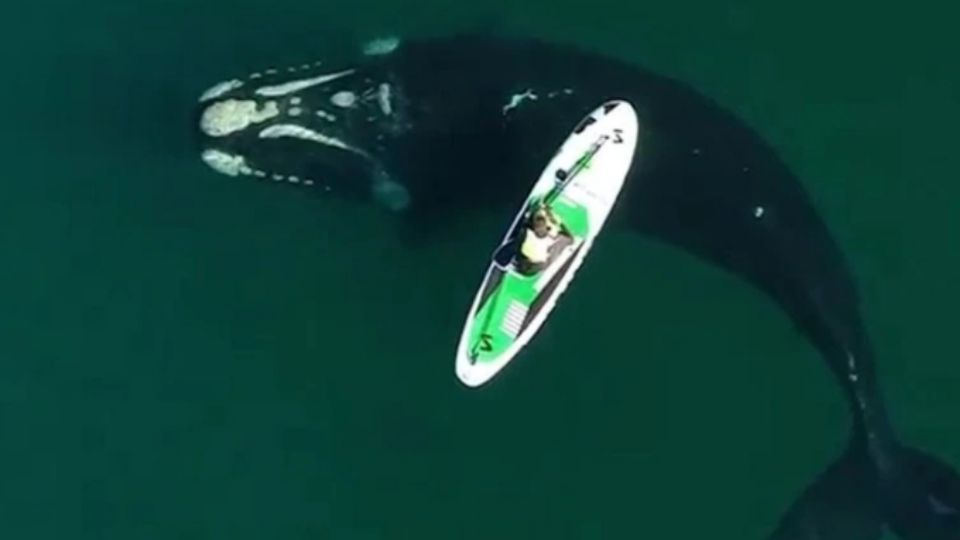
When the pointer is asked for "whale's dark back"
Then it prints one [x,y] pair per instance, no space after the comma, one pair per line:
[474,119]
[703,181]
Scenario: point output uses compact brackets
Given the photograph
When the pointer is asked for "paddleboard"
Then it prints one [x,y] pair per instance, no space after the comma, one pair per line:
[529,271]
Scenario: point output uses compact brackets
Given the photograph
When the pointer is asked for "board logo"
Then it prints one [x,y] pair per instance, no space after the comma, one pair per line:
[486,342]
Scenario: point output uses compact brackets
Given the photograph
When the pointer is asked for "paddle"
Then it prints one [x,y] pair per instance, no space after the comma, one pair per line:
[578,166]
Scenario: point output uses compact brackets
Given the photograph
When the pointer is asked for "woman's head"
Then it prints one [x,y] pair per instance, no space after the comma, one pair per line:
[540,224]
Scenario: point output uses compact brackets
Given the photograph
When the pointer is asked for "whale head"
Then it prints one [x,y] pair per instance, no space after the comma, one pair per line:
[322,128]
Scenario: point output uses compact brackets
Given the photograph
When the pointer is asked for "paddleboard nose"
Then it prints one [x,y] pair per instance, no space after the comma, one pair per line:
[470,375]
[474,373]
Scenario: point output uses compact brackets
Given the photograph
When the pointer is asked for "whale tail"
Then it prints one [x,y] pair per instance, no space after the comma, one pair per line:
[920,497]
[915,496]
[841,504]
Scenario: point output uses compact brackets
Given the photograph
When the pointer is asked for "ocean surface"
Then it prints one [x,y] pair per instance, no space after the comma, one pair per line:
[187,355]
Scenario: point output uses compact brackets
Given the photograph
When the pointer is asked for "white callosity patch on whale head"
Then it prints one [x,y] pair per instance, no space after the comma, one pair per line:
[220,89]
[383,97]
[517,99]
[302,84]
[235,165]
[317,106]
[222,162]
[300,132]
[344,99]
[381,46]
[232,115]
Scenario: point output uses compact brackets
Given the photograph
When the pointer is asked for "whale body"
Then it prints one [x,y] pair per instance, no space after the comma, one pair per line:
[444,129]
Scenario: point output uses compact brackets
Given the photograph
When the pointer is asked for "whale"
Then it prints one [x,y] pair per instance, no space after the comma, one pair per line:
[439,130]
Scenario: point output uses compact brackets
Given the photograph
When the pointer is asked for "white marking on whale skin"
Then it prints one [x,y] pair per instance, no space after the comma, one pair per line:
[232,165]
[383,97]
[554,93]
[219,89]
[854,377]
[325,115]
[255,75]
[388,192]
[344,99]
[295,111]
[300,132]
[296,86]
[941,507]
[222,162]
[381,46]
[295,100]
[232,115]
[852,368]
[758,212]
[517,99]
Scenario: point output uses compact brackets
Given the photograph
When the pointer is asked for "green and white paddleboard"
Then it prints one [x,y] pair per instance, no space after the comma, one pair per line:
[580,186]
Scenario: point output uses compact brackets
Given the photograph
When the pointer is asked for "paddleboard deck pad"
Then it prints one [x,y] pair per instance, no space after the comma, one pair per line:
[579,188]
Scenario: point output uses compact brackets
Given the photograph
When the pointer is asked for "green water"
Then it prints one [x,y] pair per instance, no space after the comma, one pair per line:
[187,355]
